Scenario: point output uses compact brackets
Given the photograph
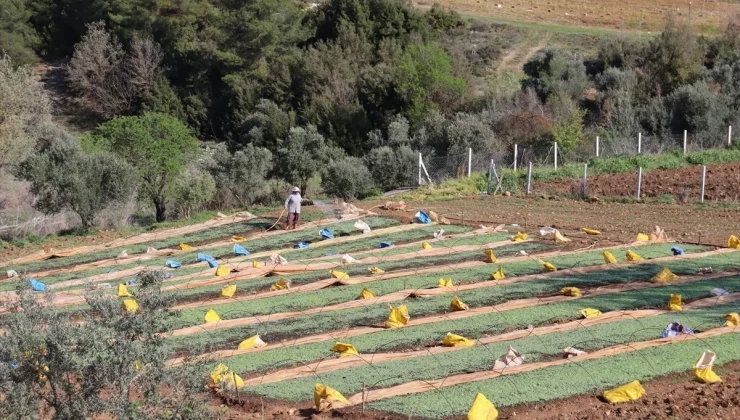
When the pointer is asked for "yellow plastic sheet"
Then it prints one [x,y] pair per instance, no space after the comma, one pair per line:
[454,340]
[733,242]
[338,274]
[591,231]
[281,284]
[703,368]
[458,305]
[499,274]
[366,294]
[482,409]
[228,290]
[641,237]
[521,236]
[589,312]
[609,258]
[130,305]
[238,239]
[211,316]
[733,319]
[375,270]
[398,317]
[344,349]
[632,256]
[558,237]
[252,342]
[664,276]
[426,245]
[491,256]
[546,266]
[570,291]
[222,271]
[256,264]
[445,283]
[123,291]
[674,303]
[628,392]
[185,247]
[325,397]
[223,376]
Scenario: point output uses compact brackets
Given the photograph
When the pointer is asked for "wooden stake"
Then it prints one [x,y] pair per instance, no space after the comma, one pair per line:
[238,398]
[363,397]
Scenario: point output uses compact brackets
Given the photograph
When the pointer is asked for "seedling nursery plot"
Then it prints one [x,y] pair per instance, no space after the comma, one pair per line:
[411,320]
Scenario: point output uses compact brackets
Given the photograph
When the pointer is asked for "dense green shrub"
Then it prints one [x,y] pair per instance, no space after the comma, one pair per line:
[346,178]
[191,191]
[114,356]
[243,174]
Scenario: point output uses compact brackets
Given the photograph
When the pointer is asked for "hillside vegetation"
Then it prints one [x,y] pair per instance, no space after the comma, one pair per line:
[215,104]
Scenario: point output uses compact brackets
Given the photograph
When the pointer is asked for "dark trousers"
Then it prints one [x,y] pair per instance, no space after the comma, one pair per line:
[294,219]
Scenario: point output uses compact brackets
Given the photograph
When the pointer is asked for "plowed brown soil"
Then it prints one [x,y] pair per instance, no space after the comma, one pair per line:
[618,223]
[723,184]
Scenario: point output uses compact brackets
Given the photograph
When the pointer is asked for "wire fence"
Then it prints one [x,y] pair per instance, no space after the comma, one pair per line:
[533,166]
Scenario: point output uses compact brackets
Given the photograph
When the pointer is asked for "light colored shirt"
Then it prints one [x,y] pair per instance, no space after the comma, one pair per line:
[293,203]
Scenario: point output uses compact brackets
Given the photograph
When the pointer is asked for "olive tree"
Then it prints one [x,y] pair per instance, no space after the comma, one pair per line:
[157,145]
[64,177]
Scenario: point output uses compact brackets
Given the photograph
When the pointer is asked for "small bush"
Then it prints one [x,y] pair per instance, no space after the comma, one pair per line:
[191,191]
[347,178]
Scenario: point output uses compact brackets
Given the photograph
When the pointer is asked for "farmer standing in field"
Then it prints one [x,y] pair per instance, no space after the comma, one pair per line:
[293,205]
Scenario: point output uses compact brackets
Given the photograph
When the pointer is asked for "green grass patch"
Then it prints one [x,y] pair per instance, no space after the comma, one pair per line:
[476,326]
[481,358]
[549,384]
[276,242]
[376,314]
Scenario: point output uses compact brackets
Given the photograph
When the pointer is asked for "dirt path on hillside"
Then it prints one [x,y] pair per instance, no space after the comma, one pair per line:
[508,62]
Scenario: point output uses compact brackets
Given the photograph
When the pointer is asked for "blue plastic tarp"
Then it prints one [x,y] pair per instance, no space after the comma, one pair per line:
[675,328]
[172,264]
[203,257]
[422,217]
[212,262]
[240,250]
[385,245]
[130,282]
[301,245]
[330,254]
[676,250]
[326,233]
[36,285]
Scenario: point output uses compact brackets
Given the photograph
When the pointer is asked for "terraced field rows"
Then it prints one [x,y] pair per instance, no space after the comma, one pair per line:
[407,370]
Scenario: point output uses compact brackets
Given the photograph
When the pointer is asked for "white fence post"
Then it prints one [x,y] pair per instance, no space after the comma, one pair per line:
[639,143]
[639,181]
[729,136]
[470,160]
[529,179]
[516,154]
[703,181]
[685,134]
[419,168]
[597,146]
[556,155]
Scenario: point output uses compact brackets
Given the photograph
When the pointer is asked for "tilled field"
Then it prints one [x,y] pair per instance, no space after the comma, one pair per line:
[722,185]
[402,363]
